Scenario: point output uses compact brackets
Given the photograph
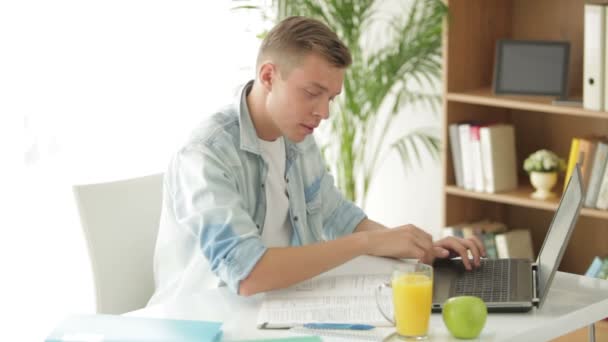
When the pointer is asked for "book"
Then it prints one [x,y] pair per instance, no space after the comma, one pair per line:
[476,159]
[342,295]
[597,171]
[115,328]
[485,230]
[466,148]
[515,244]
[499,157]
[594,268]
[603,272]
[572,160]
[586,150]
[602,196]
[489,242]
[456,154]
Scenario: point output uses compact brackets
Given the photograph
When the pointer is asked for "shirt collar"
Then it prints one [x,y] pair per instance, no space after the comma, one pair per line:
[249,137]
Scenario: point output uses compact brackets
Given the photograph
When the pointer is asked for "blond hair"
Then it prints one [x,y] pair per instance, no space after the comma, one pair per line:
[295,37]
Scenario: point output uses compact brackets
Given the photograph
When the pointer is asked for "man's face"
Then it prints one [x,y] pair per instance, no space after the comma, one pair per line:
[297,103]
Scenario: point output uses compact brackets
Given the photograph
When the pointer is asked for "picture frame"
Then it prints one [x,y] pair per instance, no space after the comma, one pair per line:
[531,67]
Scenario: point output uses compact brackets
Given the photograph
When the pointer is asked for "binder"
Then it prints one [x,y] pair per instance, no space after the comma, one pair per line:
[593,57]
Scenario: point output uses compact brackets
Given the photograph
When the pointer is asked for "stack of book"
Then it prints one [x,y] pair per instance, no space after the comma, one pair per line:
[598,268]
[498,241]
[484,156]
[592,154]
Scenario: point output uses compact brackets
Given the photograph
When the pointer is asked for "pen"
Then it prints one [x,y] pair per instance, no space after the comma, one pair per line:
[338,326]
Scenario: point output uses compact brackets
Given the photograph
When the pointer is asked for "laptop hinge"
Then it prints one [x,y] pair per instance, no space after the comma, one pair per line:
[535,297]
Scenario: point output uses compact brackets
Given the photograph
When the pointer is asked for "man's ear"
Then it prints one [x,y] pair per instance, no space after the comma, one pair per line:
[268,72]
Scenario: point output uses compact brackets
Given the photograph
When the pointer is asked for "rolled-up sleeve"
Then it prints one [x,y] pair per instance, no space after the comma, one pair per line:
[207,203]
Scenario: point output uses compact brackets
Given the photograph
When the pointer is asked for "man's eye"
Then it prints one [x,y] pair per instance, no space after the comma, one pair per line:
[311,94]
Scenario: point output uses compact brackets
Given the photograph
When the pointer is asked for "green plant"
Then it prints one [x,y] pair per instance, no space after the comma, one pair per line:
[384,78]
[544,161]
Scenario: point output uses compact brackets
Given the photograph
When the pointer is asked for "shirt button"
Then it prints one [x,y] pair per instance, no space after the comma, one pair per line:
[257,225]
[262,185]
[295,218]
[287,180]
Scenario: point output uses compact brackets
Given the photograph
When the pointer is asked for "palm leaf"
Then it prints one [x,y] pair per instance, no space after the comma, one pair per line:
[410,145]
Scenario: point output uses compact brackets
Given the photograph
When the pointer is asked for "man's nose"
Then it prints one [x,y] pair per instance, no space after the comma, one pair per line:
[322,110]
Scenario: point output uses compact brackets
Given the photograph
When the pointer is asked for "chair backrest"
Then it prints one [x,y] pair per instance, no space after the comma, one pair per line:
[120,222]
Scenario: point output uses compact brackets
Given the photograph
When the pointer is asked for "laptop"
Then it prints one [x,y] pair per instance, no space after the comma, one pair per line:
[514,285]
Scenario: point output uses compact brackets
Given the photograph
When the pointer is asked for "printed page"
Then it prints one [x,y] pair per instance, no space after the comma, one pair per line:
[343,295]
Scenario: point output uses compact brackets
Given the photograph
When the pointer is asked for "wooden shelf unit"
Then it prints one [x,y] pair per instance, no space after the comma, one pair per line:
[470,37]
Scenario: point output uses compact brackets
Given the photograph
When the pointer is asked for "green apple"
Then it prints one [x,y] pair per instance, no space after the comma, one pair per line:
[464,316]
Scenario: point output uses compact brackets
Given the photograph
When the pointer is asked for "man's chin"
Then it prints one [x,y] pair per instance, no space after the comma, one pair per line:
[298,139]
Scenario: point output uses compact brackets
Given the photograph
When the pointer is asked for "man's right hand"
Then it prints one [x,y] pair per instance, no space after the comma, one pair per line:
[406,241]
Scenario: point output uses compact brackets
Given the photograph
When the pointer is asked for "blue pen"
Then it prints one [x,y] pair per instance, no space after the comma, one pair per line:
[345,326]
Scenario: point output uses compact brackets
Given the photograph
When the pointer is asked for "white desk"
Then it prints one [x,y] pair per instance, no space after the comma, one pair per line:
[573,302]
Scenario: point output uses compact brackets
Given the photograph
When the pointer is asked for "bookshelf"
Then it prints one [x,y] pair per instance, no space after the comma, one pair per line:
[470,36]
[472,29]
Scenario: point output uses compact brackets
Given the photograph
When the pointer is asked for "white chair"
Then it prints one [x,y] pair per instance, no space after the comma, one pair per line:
[120,222]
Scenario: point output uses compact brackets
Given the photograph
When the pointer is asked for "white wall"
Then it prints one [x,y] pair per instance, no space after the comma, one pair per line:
[107,90]
[104,90]
[414,198]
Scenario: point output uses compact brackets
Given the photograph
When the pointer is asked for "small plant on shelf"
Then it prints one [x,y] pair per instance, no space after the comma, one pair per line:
[543,167]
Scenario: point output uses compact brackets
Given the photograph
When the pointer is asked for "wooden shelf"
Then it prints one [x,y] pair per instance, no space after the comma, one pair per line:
[469,56]
[485,97]
[601,333]
[520,197]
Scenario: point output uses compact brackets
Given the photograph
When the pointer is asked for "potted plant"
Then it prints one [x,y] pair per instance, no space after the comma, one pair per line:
[543,167]
[390,71]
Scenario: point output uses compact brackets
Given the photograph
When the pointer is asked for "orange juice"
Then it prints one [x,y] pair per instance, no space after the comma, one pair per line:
[412,298]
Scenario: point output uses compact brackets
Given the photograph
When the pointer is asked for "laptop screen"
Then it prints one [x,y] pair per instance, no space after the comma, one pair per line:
[559,233]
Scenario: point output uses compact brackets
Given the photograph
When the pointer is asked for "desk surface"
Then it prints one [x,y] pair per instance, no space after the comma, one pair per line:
[573,302]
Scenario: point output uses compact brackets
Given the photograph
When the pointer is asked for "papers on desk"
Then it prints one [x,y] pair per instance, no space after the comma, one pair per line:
[110,328]
[343,295]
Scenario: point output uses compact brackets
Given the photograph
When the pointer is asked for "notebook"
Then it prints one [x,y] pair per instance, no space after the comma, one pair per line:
[113,328]
[514,285]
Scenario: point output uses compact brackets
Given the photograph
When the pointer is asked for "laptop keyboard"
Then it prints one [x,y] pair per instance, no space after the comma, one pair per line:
[490,281]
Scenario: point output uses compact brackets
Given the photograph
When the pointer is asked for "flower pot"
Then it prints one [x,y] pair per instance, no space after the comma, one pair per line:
[543,182]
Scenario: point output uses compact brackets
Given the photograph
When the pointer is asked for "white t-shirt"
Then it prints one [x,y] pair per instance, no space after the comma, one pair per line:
[277,229]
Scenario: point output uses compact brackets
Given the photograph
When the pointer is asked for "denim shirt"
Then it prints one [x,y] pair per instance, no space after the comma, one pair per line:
[214,204]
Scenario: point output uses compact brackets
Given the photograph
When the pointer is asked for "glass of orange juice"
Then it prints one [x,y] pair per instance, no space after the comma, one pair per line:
[412,289]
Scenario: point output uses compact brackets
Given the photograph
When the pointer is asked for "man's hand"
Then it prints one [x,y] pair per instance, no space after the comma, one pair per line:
[454,246]
[406,241]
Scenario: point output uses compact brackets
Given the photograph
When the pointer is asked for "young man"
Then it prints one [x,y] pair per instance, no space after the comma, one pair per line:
[248,201]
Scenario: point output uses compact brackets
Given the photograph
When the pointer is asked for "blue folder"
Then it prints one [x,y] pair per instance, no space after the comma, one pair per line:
[113,328]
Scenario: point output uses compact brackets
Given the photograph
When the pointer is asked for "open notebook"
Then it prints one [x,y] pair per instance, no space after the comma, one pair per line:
[342,295]
[345,294]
